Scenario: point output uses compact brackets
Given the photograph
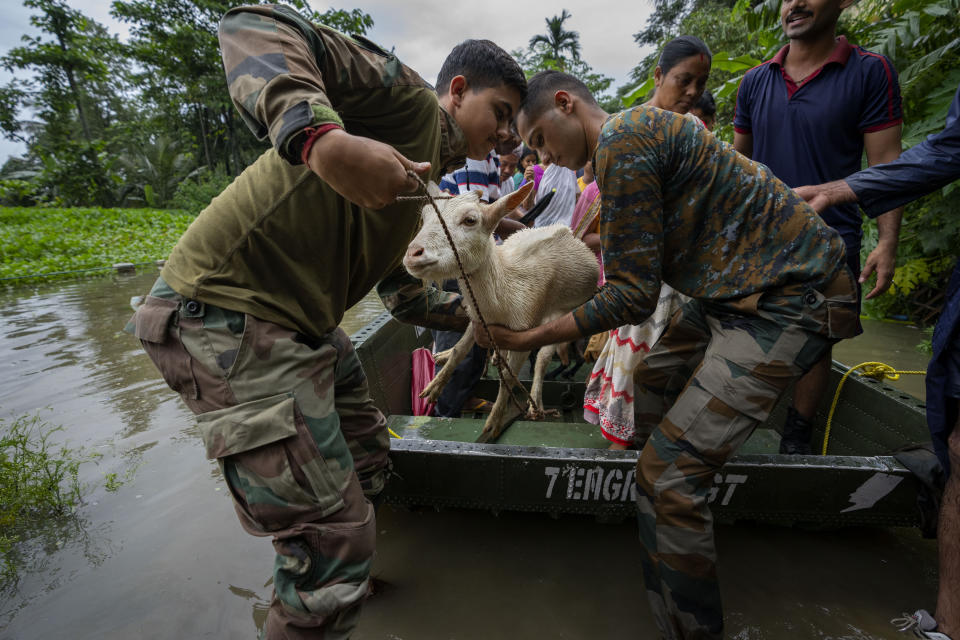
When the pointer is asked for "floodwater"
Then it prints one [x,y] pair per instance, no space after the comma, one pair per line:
[164,557]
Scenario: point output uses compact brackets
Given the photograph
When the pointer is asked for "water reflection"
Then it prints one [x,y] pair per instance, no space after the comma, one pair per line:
[47,561]
[164,557]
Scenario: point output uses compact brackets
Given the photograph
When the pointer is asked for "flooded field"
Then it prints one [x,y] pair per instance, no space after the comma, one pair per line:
[164,557]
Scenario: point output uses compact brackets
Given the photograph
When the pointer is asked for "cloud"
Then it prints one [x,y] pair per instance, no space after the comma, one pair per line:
[423,32]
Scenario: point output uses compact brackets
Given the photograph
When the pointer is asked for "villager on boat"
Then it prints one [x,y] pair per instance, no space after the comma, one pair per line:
[809,115]
[680,78]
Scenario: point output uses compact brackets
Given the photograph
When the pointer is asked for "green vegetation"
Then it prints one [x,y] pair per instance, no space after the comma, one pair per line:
[114,123]
[926,345]
[38,483]
[919,36]
[39,240]
[149,122]
[112,482]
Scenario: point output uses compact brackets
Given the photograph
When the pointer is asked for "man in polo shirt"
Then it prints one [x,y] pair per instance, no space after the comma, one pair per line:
[809,113]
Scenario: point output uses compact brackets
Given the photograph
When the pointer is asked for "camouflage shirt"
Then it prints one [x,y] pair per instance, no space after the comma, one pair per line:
[279,243]
[681,207]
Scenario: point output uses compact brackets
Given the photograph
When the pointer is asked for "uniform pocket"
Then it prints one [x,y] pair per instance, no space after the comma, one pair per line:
[271,463]
[154,326]
[843,306]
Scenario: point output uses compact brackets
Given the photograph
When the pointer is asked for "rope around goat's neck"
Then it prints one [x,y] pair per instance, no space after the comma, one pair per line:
[501,361]
[422,198]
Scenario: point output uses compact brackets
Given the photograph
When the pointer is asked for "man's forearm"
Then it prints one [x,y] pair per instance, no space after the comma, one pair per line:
[923,168]
[410,301]
[563,329]
[888,228]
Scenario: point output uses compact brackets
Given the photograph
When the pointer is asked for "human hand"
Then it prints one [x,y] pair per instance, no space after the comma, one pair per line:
[504,337]
[823,196]
[366,172]
[528,174]
[883,261]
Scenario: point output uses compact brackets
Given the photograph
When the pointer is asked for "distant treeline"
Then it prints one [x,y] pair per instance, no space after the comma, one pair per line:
[148,122]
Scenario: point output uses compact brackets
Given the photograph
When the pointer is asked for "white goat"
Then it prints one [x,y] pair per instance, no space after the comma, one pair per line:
[535,276]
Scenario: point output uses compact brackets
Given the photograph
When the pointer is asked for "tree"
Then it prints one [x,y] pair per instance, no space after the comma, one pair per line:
[77,95]
[664,20]
[559,49]
[558,40]
[153,171]
[175,42]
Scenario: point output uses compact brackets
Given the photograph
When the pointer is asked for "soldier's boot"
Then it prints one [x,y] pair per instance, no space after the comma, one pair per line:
[797,431]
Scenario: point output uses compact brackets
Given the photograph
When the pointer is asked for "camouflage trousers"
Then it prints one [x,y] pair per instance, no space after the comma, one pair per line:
[726,370]
[301,446]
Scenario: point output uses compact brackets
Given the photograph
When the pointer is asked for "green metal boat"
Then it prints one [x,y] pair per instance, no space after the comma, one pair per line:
[564,466]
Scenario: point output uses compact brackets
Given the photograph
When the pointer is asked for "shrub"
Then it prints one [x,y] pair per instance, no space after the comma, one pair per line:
[36,241]
[18,193]
[38,482]
[196,192]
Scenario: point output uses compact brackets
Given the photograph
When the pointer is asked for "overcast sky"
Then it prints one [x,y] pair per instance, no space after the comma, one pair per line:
[424,31]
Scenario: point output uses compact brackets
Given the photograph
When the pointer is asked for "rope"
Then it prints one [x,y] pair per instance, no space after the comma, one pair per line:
[501,361]
[875,370]
[422,198]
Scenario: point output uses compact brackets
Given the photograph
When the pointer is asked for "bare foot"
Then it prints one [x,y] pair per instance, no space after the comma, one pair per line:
[616,446]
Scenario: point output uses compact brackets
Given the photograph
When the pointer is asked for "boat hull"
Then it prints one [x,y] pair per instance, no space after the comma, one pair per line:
[564,467]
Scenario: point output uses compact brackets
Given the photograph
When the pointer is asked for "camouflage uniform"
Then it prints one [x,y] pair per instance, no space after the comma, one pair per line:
[770,294]
[291,424]
[242,322]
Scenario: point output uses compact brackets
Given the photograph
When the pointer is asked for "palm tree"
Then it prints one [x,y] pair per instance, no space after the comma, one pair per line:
[154,169]
[557,40]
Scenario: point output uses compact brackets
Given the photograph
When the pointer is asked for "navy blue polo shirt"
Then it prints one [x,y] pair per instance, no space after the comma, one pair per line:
[812,132]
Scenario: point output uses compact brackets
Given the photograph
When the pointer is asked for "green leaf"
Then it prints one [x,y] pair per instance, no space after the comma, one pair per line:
[923,64]
[638,92]
[725,62]
[728,88]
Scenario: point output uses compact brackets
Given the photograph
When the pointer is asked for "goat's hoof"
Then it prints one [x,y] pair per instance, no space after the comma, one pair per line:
[487,436]
[432,391]
[497,424]
[440,358]
[542,414]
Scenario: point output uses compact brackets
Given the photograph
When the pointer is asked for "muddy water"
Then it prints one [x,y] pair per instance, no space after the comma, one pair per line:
[163,556]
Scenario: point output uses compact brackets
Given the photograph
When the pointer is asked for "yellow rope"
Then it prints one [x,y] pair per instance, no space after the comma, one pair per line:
[394,434]
[875,370]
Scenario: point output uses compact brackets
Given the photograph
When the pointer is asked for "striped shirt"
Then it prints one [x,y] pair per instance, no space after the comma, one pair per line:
[476,175]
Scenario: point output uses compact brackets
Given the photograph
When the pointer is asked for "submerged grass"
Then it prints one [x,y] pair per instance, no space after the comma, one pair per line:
[39,484]
[38,240]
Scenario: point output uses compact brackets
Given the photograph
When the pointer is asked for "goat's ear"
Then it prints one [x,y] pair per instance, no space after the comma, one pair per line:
[494,213]
[433,189]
